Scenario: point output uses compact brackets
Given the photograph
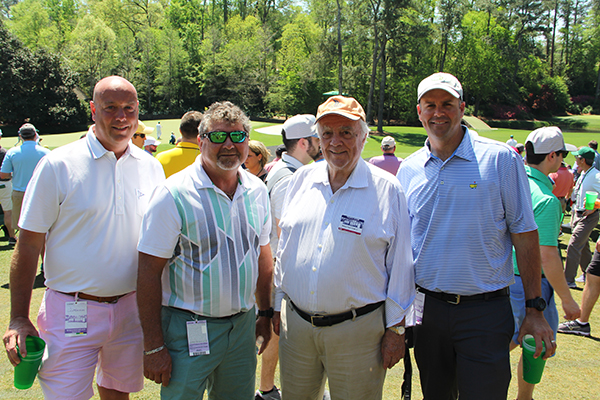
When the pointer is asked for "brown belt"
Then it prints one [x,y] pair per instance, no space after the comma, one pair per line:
[98,299]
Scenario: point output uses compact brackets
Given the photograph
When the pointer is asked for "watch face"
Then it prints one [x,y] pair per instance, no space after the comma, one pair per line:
[538,303]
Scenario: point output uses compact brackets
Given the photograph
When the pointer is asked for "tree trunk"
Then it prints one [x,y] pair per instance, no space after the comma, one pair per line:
[339,32]
[382,85]
[374,66]
[553,39]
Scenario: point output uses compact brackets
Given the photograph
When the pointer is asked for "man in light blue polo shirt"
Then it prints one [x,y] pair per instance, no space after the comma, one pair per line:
[469,203]
[19,163]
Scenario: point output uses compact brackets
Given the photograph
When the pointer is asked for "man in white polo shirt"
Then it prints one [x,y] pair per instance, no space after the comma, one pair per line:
[86,200]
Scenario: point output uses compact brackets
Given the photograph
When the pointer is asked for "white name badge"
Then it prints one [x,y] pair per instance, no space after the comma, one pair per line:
[76,318]
[351,224]
[197,334]
[419,305]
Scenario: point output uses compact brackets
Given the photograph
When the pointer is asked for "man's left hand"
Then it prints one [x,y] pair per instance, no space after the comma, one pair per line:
[263,329]
[535,324]
[392,348]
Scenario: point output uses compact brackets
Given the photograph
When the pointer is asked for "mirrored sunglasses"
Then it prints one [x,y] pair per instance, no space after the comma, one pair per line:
[221,137]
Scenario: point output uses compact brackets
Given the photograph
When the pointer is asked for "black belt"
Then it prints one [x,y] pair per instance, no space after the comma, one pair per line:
[5,180]
[332,319]
[457,298]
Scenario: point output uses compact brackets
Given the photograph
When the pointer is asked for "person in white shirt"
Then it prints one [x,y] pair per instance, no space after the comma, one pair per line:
[512,142]
[86,201]
[344,277]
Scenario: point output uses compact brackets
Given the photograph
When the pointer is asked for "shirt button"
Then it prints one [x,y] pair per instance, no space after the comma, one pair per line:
[320,246]
[314,268]
[442,182]
[311,292]
[331,201]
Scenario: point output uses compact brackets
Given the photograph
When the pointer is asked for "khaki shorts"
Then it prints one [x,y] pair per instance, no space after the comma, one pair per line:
[6,195]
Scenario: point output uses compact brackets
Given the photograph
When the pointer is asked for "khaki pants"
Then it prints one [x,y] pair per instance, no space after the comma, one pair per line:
[17,200]
[347,354]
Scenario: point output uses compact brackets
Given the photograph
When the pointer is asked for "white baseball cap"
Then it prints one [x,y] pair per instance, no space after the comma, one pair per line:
[150,140]
[547,139]
[388,142]
[440,80]
[300,126]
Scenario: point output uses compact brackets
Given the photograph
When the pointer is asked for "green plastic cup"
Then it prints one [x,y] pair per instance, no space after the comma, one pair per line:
[590,200]
[532,367]
[27,369]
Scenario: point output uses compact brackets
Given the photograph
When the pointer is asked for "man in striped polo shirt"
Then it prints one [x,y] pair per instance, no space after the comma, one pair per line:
[204,254]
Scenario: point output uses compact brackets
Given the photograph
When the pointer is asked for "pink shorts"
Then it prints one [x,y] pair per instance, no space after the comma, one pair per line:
[113,343]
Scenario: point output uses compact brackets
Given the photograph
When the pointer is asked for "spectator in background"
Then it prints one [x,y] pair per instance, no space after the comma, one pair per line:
[583,221]
[151,145]
[6,200]
[388,161]
[19,164]
[563,184]
[594,146]
[257,159]
[512,142]
[186,151]
[278,153]
[139,136]
[173,139]
[158,130]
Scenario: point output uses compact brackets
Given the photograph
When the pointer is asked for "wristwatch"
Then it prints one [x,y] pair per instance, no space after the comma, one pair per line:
[399,330]
[538,303]
[266,313]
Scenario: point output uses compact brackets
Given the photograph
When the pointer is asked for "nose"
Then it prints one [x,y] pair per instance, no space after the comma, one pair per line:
[121,113]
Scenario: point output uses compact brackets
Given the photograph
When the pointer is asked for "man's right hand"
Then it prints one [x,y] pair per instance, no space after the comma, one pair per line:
[157,367]
[18,330]
[571,309]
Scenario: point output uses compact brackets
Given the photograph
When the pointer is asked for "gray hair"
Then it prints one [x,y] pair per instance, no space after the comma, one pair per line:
[223,112]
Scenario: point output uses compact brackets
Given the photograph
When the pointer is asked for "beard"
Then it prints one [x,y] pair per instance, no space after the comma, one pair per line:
[229,163]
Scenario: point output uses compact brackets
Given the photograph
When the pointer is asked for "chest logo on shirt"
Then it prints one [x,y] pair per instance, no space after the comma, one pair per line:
[352,225]
[473,185]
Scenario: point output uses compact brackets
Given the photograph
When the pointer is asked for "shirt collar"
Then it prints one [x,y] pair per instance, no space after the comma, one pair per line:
[288,159]
[188,145]
[464,149]
[537,175]
[357,179]
[99,151]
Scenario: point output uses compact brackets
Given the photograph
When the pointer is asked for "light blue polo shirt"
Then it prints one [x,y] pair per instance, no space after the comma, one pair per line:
[463,211]
[21,161]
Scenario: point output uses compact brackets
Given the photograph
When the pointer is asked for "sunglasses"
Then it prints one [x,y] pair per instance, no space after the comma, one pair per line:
[142,135]
[564,153]
[221,137]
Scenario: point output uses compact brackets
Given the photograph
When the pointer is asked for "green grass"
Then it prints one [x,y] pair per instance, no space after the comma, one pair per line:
[572,373]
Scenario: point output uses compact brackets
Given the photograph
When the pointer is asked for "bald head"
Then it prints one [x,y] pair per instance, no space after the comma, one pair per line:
[115,112]
[112,83]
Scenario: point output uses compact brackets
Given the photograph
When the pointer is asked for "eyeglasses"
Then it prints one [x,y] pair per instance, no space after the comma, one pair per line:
[142,135]
[563,153]
[221,137]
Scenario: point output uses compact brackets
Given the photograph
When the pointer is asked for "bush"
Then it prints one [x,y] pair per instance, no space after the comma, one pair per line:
[501,111]
[552,99]
[517,124]
[583,100]
[587,110]
[574,109]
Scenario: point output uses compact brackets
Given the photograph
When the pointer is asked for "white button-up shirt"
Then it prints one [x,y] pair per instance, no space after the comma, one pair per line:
[345,250]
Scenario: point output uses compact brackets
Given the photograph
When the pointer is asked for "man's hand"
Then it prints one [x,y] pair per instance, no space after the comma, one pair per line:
[263,329]
[535,324]
[571,309]
[157,367]
[18,330]
[588,212]
[277,322]
[392,348]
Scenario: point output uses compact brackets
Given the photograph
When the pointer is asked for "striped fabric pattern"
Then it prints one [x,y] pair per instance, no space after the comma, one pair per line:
[463,211]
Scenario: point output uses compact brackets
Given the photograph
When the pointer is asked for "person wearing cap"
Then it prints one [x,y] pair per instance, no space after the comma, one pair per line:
[6,200]
[300,139]
[583,221]
[85,201]
[545,151]
[205,264]
[462,342]
[388,161]
[185,152]
[140,134]
[344,278]
[19,164]
[512,142]
[563,184]
[151,145]
[158,130]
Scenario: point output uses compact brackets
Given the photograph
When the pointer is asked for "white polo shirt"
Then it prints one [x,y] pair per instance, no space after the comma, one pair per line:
[91,206]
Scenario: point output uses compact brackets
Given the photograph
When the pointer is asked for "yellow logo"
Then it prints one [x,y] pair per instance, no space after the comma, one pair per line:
[473,185]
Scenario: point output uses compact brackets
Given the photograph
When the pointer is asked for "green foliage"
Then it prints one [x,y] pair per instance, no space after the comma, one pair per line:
[36,86]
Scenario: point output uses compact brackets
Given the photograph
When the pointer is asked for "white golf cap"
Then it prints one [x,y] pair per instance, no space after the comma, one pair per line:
[388,142]
[150,140]
[548,139]
[300,126]
[440,80]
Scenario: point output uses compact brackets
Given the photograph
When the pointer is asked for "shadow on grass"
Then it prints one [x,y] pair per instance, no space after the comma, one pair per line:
[37,283]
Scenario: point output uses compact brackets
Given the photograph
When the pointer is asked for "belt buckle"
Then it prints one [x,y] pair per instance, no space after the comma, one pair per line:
[456,301]
[312,319]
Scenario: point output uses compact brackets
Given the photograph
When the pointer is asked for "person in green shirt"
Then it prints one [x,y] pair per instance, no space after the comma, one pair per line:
[545,149]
